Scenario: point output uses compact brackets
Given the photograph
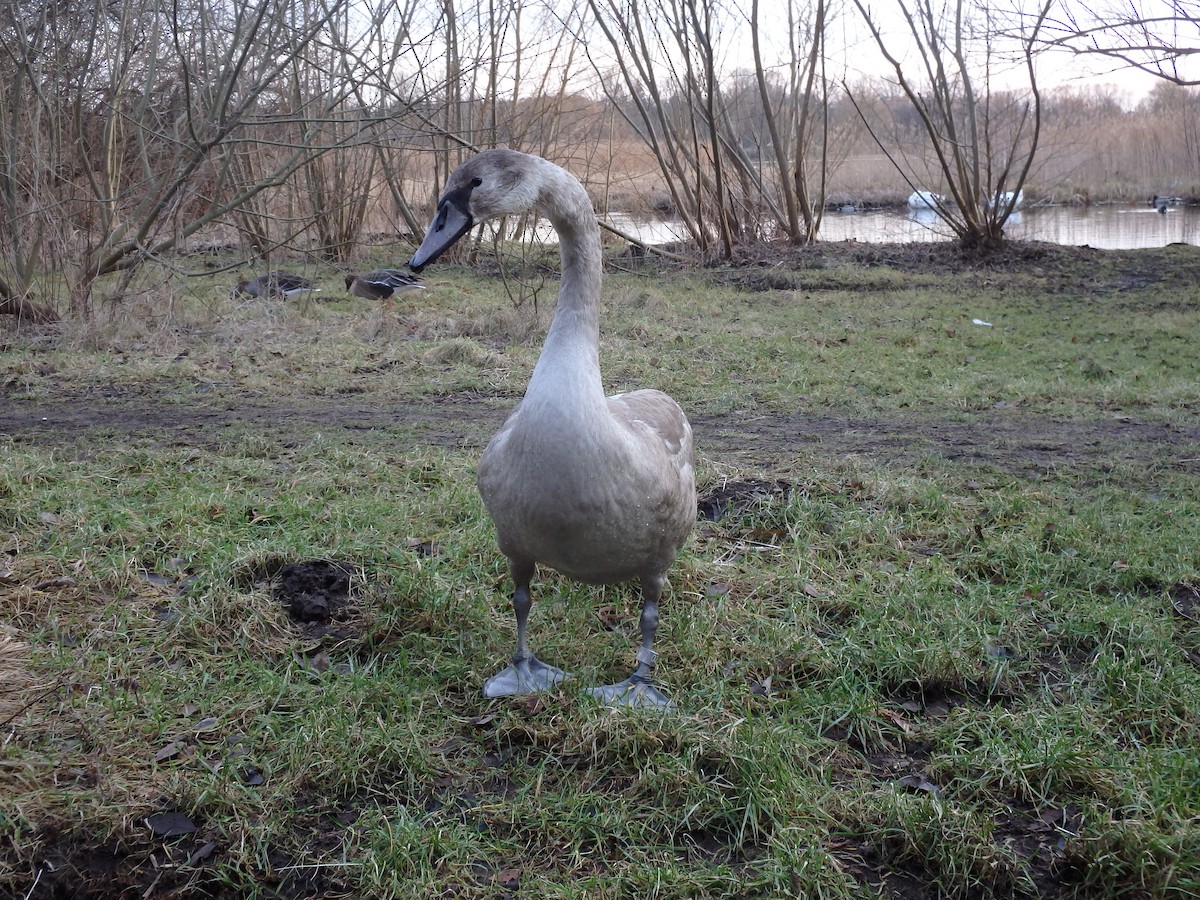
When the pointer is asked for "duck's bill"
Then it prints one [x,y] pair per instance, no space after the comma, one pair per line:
[448,226]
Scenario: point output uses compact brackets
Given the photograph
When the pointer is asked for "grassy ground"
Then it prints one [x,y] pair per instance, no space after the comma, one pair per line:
[900,668]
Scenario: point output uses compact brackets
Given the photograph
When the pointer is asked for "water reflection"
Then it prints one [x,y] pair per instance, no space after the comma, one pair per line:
[1103,227]
[648,231]
[1112,228]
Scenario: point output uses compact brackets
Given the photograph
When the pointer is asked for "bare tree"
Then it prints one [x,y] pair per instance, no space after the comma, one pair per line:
[797,117]
[132,106]
[739,164]
[1160,37]
[26,132]
[981,143]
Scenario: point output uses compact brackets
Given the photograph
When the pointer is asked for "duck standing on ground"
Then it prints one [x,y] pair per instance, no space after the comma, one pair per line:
[382,284]
[601,489]
[274,284]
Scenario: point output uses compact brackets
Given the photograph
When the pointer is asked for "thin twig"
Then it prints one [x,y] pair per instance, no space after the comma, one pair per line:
[33,887]
[36,699]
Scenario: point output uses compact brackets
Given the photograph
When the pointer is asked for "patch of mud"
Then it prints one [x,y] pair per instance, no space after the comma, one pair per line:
[1186,600]
[1005,440]
[734,498]
[315,591]
[174,866]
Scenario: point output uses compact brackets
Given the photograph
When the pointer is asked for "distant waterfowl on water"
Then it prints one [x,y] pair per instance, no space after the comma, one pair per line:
[275,284]
[925,200]
[1162,204]
[382,284]
[601,489]
[1004,198]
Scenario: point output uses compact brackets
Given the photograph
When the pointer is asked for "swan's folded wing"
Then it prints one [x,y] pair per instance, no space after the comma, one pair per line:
[654,410]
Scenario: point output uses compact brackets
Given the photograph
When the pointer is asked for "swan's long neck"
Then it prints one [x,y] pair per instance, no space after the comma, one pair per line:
[567,374]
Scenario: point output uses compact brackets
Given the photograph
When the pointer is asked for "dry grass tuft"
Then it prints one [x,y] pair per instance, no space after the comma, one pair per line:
[638,298]
[17,680]
[463,351]
[499,325]
[152,324]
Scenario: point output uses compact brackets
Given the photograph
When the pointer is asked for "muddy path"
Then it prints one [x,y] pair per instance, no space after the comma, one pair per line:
[1009,440]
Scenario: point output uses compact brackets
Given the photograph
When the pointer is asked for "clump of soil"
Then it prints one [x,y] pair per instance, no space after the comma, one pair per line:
[737,497]
[313,591]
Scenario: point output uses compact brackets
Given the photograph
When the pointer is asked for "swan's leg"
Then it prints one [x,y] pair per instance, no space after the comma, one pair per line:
[527,673]
[637,689]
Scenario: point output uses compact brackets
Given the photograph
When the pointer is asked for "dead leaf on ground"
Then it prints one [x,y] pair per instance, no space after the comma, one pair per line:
[202,854]
[63,581]
[898,720]
[170,824]
[317,662]
[170,751]
[609,616]
[424,548]
[765,535]
[918,783]
[1057,818]
[761,688]
[509,878]
[531,705]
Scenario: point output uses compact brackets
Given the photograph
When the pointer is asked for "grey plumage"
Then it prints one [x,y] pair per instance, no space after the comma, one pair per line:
[602,489]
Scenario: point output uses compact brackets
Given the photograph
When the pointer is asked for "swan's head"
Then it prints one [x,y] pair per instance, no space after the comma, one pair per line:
[494,183]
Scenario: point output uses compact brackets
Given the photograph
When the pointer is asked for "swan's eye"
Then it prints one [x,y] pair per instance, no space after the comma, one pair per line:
[476,182]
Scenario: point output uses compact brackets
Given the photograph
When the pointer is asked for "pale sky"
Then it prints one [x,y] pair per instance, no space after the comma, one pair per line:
[854,52]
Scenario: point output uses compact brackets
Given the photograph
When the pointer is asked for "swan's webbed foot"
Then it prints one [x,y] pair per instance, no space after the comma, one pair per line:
[636,692]
[526,675]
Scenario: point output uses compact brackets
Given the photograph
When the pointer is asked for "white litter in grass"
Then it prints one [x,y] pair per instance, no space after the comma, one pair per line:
[981,322]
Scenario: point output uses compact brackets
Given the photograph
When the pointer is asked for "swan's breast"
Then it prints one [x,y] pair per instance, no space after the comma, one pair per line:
[599,505]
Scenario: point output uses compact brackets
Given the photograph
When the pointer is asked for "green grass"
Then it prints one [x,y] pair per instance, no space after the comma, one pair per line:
[946,677]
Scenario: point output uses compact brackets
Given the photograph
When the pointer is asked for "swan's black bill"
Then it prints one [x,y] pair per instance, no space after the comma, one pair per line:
[451,222]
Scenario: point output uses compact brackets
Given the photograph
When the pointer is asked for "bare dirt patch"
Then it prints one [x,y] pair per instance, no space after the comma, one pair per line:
[1008,441]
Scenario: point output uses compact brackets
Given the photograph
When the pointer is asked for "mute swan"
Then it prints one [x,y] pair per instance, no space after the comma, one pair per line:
[1002,199]
[382,284]
[274,284]
[600,489]
[925,200]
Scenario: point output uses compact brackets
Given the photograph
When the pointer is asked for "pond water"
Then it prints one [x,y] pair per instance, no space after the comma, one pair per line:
[1102,227]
